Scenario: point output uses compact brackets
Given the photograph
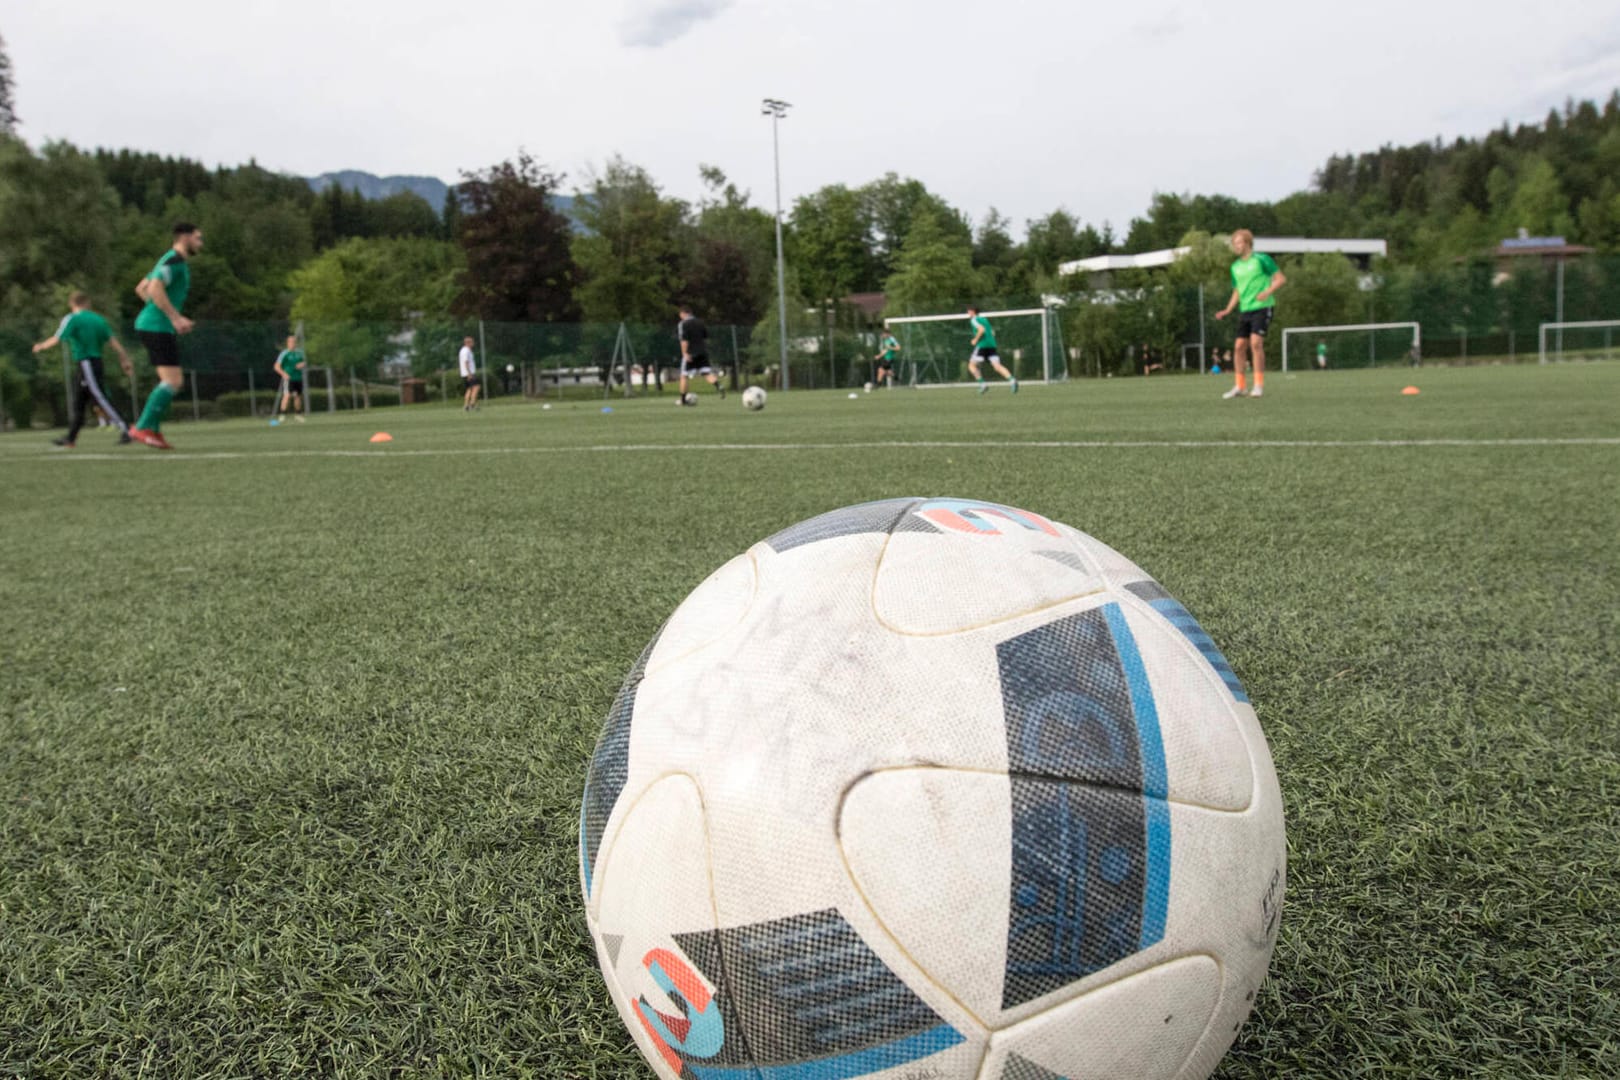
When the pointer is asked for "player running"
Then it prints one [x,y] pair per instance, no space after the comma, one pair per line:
[888,352]
[159,326]
[290,366]
[86,333]
[984,348]
[1255,278]
[694,338]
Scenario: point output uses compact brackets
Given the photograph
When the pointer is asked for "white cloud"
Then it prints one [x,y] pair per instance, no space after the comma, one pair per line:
[654,23]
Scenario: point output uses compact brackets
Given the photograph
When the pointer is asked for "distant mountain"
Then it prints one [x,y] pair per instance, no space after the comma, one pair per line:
[430,188]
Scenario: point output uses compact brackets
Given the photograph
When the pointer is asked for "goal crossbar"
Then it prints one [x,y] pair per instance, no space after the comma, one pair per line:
[1046,332]
[1417,332]
[963,315]
[1590,324]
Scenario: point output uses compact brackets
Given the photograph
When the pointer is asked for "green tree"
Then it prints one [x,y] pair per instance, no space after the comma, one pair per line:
[361,297]
[892,205]
[1538,202]
[404,213]
[731,274]
[629,253]
[516,245]
[8,110]
[934,269]
[832,243]
[58,219]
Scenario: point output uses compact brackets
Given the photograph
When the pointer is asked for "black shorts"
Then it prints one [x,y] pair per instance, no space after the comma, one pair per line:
[695,365]
[295,386]
[986,352]
[163,350]
[1254,322]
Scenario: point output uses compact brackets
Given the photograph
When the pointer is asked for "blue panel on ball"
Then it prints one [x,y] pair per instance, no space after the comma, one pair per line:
[610,767]
[804,998]
[1182,620]
[872,517]
[1091,827]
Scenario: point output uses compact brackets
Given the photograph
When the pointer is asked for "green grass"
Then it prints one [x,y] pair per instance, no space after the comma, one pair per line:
[291,743]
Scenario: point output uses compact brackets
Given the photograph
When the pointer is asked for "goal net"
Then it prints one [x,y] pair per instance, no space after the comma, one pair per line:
[1352,345]
[1595,340]
[934,349]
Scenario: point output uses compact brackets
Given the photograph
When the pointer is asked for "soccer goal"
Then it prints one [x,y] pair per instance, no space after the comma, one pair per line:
[1593,340]
[1360,344]
[934,349]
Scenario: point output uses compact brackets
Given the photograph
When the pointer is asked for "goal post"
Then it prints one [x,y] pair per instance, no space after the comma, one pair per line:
[1365,328]
[1589,342]
[934,349]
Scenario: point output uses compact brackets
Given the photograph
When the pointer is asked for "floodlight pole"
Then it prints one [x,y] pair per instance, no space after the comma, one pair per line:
[776,110]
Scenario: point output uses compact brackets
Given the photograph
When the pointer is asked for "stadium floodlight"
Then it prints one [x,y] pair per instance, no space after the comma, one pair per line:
[776,110]
[1606,325]
[1417,334]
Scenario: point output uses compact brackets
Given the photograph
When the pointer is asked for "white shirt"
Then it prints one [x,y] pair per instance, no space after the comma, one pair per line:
[468,367]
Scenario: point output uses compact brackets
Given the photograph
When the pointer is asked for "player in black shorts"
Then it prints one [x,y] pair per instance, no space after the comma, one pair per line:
[694,338]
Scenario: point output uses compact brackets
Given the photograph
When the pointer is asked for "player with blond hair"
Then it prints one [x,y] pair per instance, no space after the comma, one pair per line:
[1255,280]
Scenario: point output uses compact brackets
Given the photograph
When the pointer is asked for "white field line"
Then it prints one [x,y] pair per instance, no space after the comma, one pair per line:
[141,454]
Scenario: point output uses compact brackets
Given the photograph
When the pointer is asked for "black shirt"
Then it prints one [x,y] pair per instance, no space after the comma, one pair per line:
[692,331]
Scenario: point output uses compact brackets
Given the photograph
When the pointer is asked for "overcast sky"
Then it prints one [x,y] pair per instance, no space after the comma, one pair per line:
[1021,105]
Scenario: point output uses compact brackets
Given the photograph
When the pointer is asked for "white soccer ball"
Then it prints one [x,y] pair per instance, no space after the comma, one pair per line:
[868,388]
[853,395]
[753,398]
[932,787]
[689,398]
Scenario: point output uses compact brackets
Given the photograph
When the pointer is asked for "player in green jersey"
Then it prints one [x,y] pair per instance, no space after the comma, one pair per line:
[159,326]
[87,334]
[984,348]
[290,366]
[1321,355]
[1255,278]
[888,351]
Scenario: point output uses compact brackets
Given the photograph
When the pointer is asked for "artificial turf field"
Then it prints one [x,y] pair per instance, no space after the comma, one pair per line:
[293,728]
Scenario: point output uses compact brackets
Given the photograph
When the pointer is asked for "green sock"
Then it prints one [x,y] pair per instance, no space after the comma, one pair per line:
[157,407]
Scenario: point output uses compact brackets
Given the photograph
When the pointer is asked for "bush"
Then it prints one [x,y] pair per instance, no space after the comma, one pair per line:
[17,395]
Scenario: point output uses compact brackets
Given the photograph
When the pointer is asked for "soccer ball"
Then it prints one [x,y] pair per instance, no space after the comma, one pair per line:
[753,398]
[689,398]
[932,787]
[868,388]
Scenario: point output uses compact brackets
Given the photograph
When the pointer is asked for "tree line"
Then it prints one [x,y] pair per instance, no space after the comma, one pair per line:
[500,250]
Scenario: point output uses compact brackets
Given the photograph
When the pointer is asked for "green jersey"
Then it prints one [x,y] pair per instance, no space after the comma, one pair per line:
[890,347]
[988,341]
[85,333]
[289,361]
[176,277]
[1321,348]
[1250,277]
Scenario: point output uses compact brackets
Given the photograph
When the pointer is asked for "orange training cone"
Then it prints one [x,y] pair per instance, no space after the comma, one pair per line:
[1411,390]
[383,436]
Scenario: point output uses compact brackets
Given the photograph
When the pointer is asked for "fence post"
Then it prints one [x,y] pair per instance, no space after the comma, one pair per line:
[483,362]
[196,414]
[331,391]
[253,400]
